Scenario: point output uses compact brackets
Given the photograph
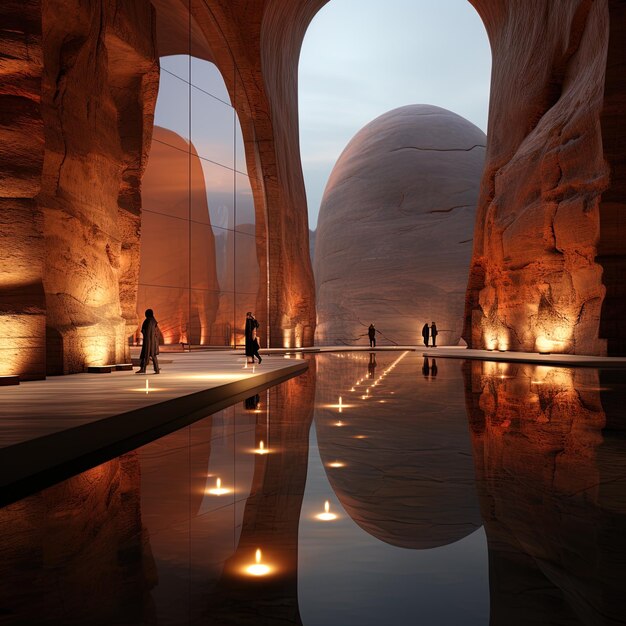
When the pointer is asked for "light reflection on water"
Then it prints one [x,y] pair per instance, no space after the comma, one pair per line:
[464,493]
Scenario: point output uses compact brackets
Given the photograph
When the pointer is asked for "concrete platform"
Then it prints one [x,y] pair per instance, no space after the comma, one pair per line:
[52,429]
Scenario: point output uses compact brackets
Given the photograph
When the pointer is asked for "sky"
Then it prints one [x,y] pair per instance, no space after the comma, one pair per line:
[362,58]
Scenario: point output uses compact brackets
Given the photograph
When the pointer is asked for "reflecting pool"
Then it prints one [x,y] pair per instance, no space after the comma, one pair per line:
[377,488]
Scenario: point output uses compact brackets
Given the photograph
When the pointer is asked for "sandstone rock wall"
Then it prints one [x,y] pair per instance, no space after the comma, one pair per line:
[22,301]
[395,228]
[98,93]
[536,282]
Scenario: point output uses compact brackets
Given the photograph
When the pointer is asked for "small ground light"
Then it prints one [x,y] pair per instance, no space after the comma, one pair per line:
[218,490]
[258,568]
[326,516]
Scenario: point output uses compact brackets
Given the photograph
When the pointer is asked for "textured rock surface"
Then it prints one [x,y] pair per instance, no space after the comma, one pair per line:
[408,477]
[395,228]
[98,94]
[264,39]
[550,473]
[535,280]
[166,262]
[22,302]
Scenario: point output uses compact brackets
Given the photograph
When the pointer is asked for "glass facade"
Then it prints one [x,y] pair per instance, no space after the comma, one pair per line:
[199,267]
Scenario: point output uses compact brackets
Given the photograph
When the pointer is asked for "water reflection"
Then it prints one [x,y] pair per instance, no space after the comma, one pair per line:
[421,463]
[551,469]
[409,479]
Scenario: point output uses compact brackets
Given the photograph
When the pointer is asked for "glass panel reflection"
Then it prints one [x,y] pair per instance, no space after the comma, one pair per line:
[213,128]
[172,106]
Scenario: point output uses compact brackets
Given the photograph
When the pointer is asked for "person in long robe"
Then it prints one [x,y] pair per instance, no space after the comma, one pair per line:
[425,333]
[250,336]
[150,343]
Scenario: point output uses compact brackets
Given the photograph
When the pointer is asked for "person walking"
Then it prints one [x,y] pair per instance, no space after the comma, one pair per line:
[433,333]
[150,343]
[250,334]
[371,332]
[425,333]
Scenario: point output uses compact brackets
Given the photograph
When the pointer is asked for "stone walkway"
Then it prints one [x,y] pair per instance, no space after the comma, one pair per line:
[54,428]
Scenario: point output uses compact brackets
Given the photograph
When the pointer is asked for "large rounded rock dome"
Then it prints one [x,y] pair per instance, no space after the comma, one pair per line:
[394,237]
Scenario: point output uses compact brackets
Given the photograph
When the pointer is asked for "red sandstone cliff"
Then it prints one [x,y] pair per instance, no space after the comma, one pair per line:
[536,279]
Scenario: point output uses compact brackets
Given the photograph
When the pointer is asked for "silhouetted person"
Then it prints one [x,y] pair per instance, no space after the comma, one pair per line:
[426,365]
[150,343]
[425,333]
[255,346]
[433,368]
[250,335]
[371,366]
[252,403]
[371,333]
[434,333]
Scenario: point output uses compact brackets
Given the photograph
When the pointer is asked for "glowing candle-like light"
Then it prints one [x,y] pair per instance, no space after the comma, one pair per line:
[326,516]
[218,490]
[147,387]
[339,423]
[352,389]
[258,568]
[261,449]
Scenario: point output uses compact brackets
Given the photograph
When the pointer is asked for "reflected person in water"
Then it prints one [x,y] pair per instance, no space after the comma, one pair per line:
[150,343]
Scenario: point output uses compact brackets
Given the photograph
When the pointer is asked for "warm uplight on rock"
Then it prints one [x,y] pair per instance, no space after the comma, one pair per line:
[326,516]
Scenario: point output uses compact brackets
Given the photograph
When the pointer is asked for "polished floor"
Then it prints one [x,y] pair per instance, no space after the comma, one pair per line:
[375,488]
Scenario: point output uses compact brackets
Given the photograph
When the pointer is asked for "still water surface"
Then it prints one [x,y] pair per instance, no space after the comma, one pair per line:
[458,493]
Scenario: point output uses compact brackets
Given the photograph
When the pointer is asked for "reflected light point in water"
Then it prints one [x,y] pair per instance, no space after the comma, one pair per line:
[359,437]
[258,568]
[326,516]
[336,464]
[339,423]
[218,490]
[261,449]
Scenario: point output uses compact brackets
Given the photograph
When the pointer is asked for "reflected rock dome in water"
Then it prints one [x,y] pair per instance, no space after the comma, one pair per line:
[408,478]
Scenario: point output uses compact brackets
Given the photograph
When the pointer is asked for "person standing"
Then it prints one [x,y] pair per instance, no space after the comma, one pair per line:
[250,336]
[371,332]
[150,343]
[255,345]
[433,333]
[425,333]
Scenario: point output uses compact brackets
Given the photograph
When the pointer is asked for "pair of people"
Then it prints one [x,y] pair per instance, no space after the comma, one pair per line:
[252,341]
[430,332]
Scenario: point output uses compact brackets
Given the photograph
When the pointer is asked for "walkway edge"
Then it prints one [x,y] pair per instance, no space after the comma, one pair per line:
[29,467]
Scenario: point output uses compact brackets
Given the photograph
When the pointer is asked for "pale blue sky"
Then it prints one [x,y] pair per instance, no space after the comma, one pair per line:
[362,58]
